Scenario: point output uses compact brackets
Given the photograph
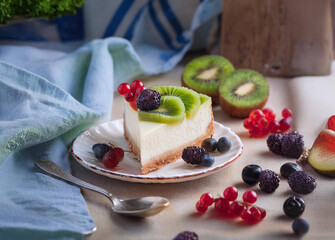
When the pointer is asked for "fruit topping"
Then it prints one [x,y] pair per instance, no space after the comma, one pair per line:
[268,181]
[287,168]
[193,155]
[243,91]
[331,123]
[209,144]
[223,144]
[294,206]
[148,100]
[300,226]
[135,85]
[301,182]
[123,88]
[322,154]
[190,98]
[288,144]
[130,92]
[204,74]
[112,158]
[250,174]
[186,235]
[99,150]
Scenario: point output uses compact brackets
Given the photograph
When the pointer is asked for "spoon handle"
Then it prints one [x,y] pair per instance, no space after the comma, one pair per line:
[54,170]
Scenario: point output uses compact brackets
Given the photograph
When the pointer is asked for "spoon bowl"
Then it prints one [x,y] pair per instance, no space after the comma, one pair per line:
[138,207]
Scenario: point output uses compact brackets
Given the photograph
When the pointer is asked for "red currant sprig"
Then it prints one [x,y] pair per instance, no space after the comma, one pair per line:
[130,92]
[262,122]
[229,205]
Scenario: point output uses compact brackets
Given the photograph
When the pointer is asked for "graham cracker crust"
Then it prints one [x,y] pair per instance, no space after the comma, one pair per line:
[167,157]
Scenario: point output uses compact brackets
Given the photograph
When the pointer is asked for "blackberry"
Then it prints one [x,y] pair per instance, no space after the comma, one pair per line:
[292,145]
[193,155]
[148,100]
[274,142]
[186,235]
[301,182]
[99,150]
[268,181]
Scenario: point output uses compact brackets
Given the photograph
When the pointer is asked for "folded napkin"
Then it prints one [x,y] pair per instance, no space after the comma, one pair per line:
[47,97]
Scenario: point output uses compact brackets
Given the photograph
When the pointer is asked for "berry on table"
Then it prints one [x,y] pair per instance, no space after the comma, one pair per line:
[200,208]
[255,213]
[250,196]
[294,207]
[221,205]
[250,174]
[223,144]
[273,126]
[246,215]
[267,110]
[230,193]
[300,226]
[263,123]
[268,181]
[236,207]
[112,158]
[285,124]
[255,115]
[123,88]
[206,199]
[331,123]
[186,235]
[286,113]
[301,182]
[209,144]
[247,123]
[263,212]
[287,168]
[270,116]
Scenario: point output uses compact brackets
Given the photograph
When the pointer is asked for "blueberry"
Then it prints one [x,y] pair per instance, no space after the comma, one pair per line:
[209,144]
[100,149]
[223,144]
[287,168]
[250,174]
[207,160]
[294,206]
[300,226]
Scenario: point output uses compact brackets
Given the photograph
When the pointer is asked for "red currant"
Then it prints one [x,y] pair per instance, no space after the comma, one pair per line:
[236,207]
[266,110]
[200,208]
[222,205]
[263,123]
[263,212]
[331,123]
[112,158]
[206,199]
[230,193]
[139,90]
[247,123]
[255,115]
[123,88]
[270,116]
[133,104]
[258,132]
[286,113]
[246,215]
[255,213]
[273,126]
[130,97]
[285,124]
[136,84]
[250,196]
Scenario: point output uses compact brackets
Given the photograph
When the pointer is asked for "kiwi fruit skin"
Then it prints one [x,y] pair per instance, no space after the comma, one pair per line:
[190,98]
[209,88]
[170,111]
[243,111]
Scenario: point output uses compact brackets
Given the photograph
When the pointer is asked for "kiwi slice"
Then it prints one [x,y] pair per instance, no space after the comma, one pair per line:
[190,98]
[170,111]
[204,75]
[243,91]
[204,98]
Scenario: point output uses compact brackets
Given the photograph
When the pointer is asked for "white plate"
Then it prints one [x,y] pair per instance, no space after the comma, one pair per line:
[129,169]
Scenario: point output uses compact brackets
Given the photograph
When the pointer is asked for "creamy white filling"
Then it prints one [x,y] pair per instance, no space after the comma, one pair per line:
[154,139]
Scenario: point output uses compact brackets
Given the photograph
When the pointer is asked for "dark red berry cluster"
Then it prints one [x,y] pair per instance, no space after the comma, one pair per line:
[229,205]
[130,92]
[262,122]
[109,154]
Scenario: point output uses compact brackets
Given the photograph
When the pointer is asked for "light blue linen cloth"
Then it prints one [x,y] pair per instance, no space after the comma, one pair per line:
[47,97]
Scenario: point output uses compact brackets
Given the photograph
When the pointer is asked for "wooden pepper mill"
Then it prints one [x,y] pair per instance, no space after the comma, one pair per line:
[278,37]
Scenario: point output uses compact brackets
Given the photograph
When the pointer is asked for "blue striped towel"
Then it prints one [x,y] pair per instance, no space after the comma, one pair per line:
[48,96]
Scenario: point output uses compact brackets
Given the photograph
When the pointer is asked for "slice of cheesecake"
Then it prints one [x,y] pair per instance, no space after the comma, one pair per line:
[157,144]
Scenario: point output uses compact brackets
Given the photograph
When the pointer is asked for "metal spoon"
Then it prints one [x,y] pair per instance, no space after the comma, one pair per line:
[139,207]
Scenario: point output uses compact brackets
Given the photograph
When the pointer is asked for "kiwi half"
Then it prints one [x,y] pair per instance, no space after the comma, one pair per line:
[190,98]
[170,111]
[243,91]
[204,75]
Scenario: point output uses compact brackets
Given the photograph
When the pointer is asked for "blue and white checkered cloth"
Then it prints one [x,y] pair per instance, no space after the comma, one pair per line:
[48,96]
